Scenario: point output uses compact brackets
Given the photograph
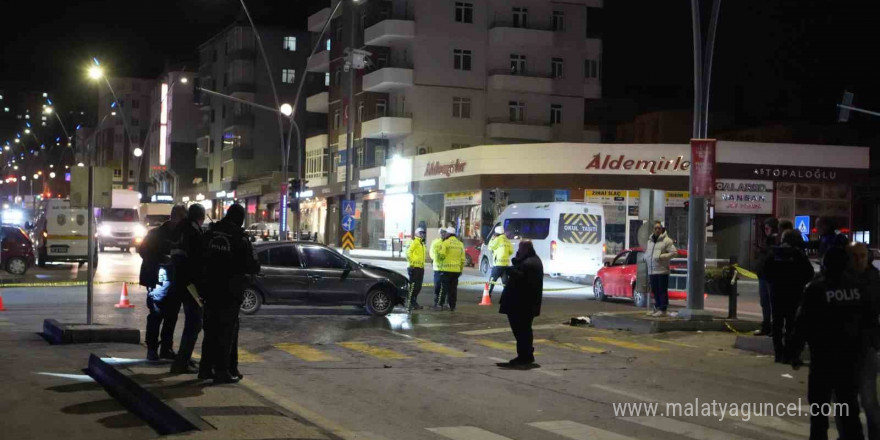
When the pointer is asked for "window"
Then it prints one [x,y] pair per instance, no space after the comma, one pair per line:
[517,64]
[328,44]
[461,108]
[214,56]
[620,260]
[337,81]
[211,147]
[290,43]
[462,59]
[327,79]
[223,112]
[558,21]
[555,113]
[223,172]
[556,68]
[285,256]
[135,103]
[459,146]
[117,172]
[517,111]
[520,17]
[339,32]
[135,122]
[211,175]
[212,115]
[320,258]
[464,12]
[288,76]
[315,160]
[130,173]
[591,69]
[336,120]
[360,113]
[528,228]
[381,108]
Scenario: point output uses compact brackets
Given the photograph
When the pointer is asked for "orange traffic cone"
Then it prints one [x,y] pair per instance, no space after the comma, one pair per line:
[123,299]
[1,304]
[487,300]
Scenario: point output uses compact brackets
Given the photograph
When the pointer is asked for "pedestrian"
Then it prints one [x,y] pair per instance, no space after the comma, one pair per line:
[415,260]
[869,278]
[451,256]
[502,250]
[765,248]
[829,237]
[186,258]
[155,275]
[521,301]
[439,303]
[229,258]
[788,270]
[658,253]
[831,319]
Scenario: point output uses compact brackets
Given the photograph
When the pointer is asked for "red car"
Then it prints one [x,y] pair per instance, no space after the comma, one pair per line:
[618,278]
[471,251]
[16,250]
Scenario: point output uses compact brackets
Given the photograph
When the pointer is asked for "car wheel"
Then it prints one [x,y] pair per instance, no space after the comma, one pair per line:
[16,266]
[484,266]
[639,298]
[598,290]
[468,261]
[251,301]
[379,302]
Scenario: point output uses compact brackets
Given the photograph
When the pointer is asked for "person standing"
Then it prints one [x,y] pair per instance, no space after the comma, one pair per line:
[828,236]
[502,250]
[831,319]
[788,270]
[155,275]
[451,256]
[186,258]
[415,260]
[521,301]
[869,278]
[765,249]
[439,301]
[230,258]
[658,253]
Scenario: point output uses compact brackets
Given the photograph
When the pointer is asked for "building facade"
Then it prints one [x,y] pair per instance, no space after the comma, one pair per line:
[122,129]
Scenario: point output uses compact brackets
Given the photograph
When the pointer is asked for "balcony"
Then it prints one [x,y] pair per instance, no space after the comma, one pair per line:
[319,142]
[319,62]
[503,128]
[389,126]
[529,82]
[203,161]
[505,33]
[317,20]
[390,30]
[388,78]
[592,88]
[239,153]
[318,103]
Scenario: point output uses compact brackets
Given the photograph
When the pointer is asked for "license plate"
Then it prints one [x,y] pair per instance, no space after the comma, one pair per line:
[58,250]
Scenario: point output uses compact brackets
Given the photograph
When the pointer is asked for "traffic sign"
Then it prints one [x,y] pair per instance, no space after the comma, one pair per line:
[348,208]
[348,223]
[802,224]
[348,241]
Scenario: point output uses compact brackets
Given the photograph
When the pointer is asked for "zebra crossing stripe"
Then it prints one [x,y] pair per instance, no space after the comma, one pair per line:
[577,431]
[503,346]
[689,430]
[305,352]
[625,344]
[246,357]
[570,346]
[376,352]
[434,347]
[466,433]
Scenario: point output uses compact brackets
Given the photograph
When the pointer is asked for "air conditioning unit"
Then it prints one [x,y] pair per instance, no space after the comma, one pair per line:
[424,150]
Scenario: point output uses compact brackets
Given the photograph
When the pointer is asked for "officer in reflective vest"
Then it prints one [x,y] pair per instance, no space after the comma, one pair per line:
[415,258]
[502,250]
[451,256]
[435,265]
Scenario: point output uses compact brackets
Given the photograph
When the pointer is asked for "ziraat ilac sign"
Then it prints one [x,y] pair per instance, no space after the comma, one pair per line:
[651,166]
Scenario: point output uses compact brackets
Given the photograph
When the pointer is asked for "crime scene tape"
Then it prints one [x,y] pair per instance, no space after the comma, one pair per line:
[480,283]
[737,332]
[745,273]
[62,284]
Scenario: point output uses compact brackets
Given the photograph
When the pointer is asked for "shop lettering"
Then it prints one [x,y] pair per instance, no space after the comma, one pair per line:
[579,228]
[782,173]
[446,169]
[740,187]
[651,166]
[743,198]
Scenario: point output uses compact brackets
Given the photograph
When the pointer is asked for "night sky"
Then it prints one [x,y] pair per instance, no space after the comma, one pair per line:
[775,60]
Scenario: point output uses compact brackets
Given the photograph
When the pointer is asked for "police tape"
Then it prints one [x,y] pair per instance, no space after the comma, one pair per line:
[61,284]
[745,273]
[737,332]
[480,283]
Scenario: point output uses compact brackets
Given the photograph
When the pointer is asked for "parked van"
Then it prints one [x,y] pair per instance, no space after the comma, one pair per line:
[60,233]
[568,236]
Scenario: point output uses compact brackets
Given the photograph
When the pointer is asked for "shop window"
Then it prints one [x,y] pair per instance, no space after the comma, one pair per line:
[528,228]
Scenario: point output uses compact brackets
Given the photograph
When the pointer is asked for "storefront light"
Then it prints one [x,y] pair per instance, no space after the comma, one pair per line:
[306,194]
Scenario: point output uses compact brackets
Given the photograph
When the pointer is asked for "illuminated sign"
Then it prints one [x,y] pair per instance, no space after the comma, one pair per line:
[607,162]
[305,194]
[743,196]
[221,194]
[162,198]
[163,123]
[399,189]
[365,183]
[446,169]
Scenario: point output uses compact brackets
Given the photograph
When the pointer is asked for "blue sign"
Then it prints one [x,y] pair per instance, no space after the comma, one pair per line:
[560,195]
[802,224]
[348,208]
[348,223]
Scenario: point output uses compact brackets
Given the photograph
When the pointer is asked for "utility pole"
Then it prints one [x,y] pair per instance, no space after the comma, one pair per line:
[346,110]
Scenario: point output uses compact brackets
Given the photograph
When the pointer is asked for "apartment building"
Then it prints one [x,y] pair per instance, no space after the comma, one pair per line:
[123,128]
[444,75]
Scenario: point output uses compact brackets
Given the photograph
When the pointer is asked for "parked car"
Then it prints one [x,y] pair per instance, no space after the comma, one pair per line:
[306,273]
[16,250]
[263,231]
[472,251]
[618,278]
[876,254]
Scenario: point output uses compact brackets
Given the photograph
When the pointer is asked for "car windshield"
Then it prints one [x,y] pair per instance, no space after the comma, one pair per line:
[120,215]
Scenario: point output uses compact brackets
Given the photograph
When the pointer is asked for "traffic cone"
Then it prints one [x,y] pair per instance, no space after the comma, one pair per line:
[1,304]
[123,299]
[487,300]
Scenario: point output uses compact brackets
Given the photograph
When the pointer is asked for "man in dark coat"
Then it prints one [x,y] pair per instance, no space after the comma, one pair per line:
[765,248]
[521,301]
[186,258]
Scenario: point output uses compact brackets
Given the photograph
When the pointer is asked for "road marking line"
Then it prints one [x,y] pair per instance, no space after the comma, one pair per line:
[376,352]
[678,427]
[440,349]
[503,346]
[306,352]
[624,393]
[548,372]
[466,433]
[625,344]
[246,357]
[492,331]
[679,344]
[577,431]
[570,346]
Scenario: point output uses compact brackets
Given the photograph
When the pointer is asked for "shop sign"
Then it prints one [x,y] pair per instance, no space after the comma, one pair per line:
[622,162]
[743,196]
[782,173]
[366,183]
[609,196]
[703,174]
[397,189]
[467,198]
[167,198]
[560,195]
[445,169]
[326,190]
[676,199]
[306,193]
[221,194]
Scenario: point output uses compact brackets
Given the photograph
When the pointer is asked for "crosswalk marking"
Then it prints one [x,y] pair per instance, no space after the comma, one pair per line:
[492,331]
[625,344]
[306,352]
[689,430]
[623,393]
[440,349]
[570,346]
[377,352]
[466,433]
[677,344]
[246,357]
[503,346]
[577,431]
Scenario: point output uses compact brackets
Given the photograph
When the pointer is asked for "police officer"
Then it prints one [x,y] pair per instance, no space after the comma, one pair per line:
[831,320]
[415,259]
[868,276]
[451,256]
[435,266]
[186,259]
[502,251]
[229,258]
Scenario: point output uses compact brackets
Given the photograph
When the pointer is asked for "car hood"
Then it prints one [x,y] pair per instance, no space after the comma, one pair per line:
[381,272]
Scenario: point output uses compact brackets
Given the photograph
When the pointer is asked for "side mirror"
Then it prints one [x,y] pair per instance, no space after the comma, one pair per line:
[607,264]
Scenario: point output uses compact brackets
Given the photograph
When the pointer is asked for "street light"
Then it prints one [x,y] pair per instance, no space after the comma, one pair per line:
[96,72]
[286,109]
[52,175]
[184,80]
[138,152]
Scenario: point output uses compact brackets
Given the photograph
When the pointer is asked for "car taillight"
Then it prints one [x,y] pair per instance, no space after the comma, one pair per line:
[553,247]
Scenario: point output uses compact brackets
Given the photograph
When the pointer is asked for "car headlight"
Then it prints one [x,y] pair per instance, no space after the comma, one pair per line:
[104,230]
[140,231]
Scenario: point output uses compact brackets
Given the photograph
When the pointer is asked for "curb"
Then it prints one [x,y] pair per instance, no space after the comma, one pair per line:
[58,333]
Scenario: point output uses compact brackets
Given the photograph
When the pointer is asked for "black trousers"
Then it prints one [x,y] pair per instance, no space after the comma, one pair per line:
[783,315]
[438,289]
[497,273]
[449,282]
[192,326]
[765,294]
[839,378]
[521,325]
[163,314]
[416,277]
[220,344]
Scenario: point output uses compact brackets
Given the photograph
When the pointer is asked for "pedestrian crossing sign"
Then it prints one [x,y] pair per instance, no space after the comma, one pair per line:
[802,224]
[348,208]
